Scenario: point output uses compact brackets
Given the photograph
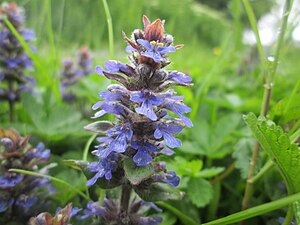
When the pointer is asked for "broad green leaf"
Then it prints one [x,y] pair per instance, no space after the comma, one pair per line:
[137,174]
[184,167]
[212,140]
[199,191]
[210,172]
[278,146]
[158,192]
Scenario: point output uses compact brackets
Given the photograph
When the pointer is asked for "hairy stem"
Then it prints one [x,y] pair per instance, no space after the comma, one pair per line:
[124,203]
[269,77]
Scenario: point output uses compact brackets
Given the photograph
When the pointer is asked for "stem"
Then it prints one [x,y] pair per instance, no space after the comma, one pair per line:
[110,29]
[125,197]
[226,173]
[289,216]
[269,77]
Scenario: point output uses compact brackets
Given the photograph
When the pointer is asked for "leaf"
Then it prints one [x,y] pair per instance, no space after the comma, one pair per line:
[212,140]
[278,146]
[242,154]
[99,127]
[137,174]
[210,172]
[199,191]
[158,192]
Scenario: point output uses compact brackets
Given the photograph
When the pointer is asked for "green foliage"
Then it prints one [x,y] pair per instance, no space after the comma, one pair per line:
[137,174]
[212,139]
[158,192]
[278,146]
[199,191]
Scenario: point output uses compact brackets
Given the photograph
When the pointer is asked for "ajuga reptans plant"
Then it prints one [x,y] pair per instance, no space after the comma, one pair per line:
[72,72]
[142,130]
[21,196]
[13,59]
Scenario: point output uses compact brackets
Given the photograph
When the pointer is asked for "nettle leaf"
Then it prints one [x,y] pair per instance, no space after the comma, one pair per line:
[287,109]
[158,192]
[137,174]
[100,127]
[199,191]
[279,147]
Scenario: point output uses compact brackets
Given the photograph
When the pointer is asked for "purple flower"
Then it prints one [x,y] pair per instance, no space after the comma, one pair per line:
[174,104]
[25,201]
[152,220]
[103,168]
[93,209]
[5,203]
[166,131]
[148,100]
[39,153]
[10,181]
[168,178]
[179,77]
[155,51]
[113,66]
[144,149]
[119,143]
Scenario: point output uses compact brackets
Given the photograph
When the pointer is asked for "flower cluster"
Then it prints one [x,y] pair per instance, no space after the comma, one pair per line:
[141,103]
[13,59]
[19,194]
[73,71]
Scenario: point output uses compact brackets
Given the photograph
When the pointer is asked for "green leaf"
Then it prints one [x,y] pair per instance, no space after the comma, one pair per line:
[184,167]
[99,127]
[210,172]
[212,140]
[199,191]
[158,192]
[137,174]
[278,146]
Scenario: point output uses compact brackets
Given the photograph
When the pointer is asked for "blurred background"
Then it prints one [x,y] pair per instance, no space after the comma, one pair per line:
[220,55]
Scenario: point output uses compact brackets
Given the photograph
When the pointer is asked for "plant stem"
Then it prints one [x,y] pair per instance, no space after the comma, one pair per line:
[110,29]
[124,203]
[223,175]
[269,77]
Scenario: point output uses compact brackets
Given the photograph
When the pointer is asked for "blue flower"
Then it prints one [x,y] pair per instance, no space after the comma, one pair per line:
[148,100]
[166,131]
[144,149]
[154,51]
[179,77]
[39,153]
[151,220]
[168,178]
[10,181]
[93,209]
[25,201]
[103,168]
[5,203]
[113,66]
[174,104]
